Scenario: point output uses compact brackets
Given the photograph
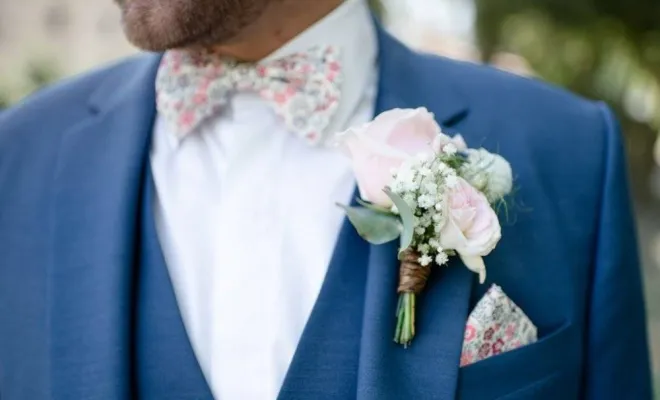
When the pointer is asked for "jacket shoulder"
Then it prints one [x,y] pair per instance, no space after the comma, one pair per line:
[31,131]
[59,105]
[537,116]
[489,88]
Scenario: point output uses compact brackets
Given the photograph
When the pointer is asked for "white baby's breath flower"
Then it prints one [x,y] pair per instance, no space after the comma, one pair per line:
[425,260]
[425,171]
[431,188]
[448,171]
[418,182]
[425,220]
[410,186]
[425,201]
[441,140]
[449,149]
[441,258]
[420,231]
[440,167]
[423,249]
[435,243]
[451,180]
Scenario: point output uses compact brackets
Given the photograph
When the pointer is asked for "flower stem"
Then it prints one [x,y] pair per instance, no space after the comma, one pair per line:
[399,319]
[407,333]
[413,300]
[405,326]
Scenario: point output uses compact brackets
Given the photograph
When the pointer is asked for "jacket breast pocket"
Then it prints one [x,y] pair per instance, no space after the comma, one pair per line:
[546,369]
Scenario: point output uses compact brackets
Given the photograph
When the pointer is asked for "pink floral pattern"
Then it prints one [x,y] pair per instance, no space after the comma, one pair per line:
[304,88]
[496,325]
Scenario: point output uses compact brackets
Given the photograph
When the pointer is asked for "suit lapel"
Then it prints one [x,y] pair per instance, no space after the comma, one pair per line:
[351,327]
[98,181]
[429,367]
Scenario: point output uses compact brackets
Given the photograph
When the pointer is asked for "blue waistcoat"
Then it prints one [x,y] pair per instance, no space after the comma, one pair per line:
[165,365]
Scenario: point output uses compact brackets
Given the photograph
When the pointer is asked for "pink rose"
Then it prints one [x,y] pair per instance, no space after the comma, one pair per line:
[382,145]
[472,227]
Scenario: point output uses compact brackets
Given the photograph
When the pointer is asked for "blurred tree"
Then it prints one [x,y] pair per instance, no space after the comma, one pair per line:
[603,49]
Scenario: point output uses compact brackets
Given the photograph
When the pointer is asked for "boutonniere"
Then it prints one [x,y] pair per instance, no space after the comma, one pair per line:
[429,190]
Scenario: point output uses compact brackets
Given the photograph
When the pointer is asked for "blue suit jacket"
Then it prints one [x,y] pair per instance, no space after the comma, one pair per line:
[72,159]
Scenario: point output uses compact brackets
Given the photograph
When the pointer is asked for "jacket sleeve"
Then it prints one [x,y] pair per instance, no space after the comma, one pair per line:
[617,358]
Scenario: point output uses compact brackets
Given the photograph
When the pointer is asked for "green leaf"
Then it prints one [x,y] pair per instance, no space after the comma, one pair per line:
[374,207]
[374,226]
[407,218]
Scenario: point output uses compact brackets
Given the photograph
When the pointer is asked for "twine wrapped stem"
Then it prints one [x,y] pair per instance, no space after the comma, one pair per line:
[412,276]
[412,281]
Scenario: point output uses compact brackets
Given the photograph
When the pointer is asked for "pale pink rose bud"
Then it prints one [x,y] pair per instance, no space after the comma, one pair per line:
[384,144]
[471,228]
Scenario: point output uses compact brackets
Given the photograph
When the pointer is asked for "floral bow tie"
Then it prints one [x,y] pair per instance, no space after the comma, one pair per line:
[303,87]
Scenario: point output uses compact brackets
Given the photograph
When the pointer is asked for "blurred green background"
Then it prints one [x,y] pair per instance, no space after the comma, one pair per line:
[601,49]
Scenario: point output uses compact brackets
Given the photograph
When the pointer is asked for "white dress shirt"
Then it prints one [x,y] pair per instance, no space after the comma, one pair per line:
[247,220]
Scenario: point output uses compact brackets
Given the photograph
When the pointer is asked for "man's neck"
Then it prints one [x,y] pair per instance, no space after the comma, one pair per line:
[283,21]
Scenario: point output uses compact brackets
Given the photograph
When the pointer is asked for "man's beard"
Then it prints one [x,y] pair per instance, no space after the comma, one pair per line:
[159,25]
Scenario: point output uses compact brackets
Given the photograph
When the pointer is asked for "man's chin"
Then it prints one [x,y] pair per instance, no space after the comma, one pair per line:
[160,38]
[159,25]
[154,35]
[148,41]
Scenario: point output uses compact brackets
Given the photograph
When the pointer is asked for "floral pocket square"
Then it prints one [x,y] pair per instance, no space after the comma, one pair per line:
[496,325]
